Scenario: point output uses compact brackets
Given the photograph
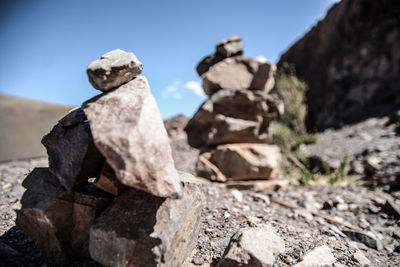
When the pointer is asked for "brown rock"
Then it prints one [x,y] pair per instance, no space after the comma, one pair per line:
[239,73]
[246,161]
[107,181]
[259,186]
[205,168]
[57,221]
[139,229]
[128,130]
[73,157]
[175,126]
[113,69]
[233,117]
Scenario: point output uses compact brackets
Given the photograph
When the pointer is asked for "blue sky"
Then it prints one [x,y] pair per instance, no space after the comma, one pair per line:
[47,45]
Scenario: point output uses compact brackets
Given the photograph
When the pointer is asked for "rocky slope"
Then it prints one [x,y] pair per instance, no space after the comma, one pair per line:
[351,62]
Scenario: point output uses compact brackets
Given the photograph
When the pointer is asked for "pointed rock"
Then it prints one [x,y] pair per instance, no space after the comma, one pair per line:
[113,69]
[139,229]
[128,131]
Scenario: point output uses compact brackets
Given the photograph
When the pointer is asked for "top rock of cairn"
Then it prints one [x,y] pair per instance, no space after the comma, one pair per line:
[113,69]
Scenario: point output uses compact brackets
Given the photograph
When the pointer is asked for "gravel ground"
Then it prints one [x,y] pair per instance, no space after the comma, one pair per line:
[227,210]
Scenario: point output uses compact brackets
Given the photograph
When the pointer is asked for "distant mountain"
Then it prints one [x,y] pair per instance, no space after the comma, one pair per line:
[23,124]
[351,62]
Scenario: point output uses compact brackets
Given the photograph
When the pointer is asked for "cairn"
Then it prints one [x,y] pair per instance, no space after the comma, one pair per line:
[111,192]
[231,126]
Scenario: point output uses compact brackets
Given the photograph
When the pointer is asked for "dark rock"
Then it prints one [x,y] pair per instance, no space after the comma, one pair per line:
[366,239]
[139,229]
[392,209]
[233,117]
[113,69]
[6,251]
[73,118]
[128,131]
[56,220]
[358,45]
[73,157]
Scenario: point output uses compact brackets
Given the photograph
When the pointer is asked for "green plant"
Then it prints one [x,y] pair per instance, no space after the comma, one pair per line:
[340,174]
[292,91]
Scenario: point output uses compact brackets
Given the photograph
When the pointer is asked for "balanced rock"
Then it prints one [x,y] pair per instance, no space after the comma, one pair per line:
[113,69]
[233,117]
[253,247]
[128,131]
[242,162]
[239,73]
[73,157]
[139,229]
[56,220]
[229,47]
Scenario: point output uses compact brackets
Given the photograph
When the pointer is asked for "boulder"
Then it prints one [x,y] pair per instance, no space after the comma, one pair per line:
[140,229]
[56,220]
[244,161]
[256,246]
[128,131]
[239,73]
[73,157]
[175,126]
[233,117]
[113,69]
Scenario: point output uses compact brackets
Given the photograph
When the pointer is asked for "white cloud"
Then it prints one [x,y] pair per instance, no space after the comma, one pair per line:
[261,59]
[195,87]
[171,89]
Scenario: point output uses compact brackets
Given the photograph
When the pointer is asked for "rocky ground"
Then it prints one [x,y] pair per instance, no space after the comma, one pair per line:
[374,210]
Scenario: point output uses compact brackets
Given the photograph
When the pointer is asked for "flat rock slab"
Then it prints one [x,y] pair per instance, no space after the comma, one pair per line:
[139,229]
[233,117]
[113,69]
[244,161]
[239,73]
[128,131]
[255,247]
[319,256]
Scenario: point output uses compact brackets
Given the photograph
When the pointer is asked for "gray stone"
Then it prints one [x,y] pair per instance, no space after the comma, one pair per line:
[139,229]
[319,256]
[73,157]
[364,238]
[233,117]
[360,258]
[239,73]
[253,247]
[128,131]
[113,69]
[244,161]
[56,220]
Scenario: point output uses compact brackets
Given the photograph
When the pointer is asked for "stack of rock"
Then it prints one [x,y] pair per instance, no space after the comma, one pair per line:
[231,127]
[111,192]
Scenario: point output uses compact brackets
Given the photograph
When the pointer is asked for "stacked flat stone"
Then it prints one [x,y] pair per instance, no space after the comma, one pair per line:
[231,126]
[138,211]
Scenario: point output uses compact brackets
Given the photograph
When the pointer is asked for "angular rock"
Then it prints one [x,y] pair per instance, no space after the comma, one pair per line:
[392,209]
[360,258]
[253,247]
[239,73]
[204,168]
[56,220]
[319,256]
[74,117]
[128,131]
[231,46]
[233,117]
[245,161]
[113,69]
[364,238]
[73,157]
[139,229]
